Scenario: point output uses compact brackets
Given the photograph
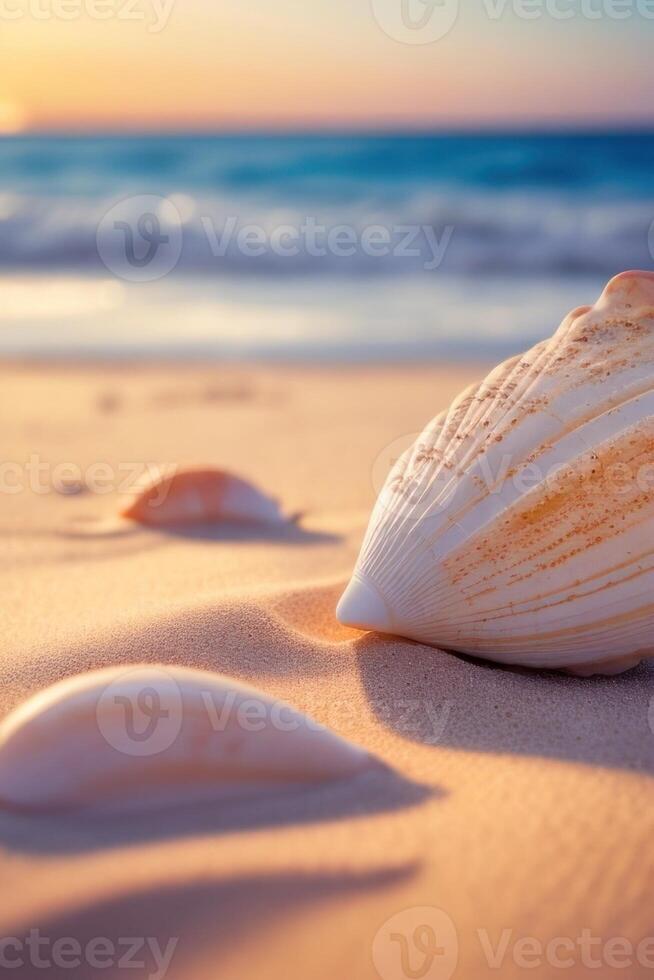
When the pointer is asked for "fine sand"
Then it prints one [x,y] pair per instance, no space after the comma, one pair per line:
[518,803]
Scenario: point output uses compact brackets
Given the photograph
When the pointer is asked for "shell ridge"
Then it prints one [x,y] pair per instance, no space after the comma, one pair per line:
[511,365]
[523,502]
[566,431]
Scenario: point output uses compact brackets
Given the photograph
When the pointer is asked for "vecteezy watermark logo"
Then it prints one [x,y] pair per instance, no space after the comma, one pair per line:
[140,238]
[564,10]
[41,476]
[416,21]
[416,944]
[423,718]
[141,712]
[582,953]
[154,13]
[314,239]
[426,21]
[143,953]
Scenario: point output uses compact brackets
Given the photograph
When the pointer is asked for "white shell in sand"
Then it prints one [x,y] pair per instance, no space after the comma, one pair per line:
[520,525]
[139,736]
[201,496]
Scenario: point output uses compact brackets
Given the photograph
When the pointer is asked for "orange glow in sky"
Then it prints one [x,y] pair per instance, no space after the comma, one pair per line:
[196,64]
[13,119]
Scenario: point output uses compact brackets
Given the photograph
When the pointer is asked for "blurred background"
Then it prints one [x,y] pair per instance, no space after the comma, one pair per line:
[389,179]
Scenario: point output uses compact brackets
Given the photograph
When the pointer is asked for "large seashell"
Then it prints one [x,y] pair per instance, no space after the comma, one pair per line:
[201,496]
[520,525]
[141,736]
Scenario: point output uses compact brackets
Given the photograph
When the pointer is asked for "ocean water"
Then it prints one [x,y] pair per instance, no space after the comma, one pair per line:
[345,246]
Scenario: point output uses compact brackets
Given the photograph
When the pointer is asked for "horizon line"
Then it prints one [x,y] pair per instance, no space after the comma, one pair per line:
[563,127]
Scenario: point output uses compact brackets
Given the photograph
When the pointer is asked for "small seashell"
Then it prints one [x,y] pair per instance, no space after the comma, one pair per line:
[127,737]
[520,525]
[201,496]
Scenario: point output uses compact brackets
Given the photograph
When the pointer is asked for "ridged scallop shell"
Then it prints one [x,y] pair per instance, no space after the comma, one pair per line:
[130,737]
[201,496]
[520,525]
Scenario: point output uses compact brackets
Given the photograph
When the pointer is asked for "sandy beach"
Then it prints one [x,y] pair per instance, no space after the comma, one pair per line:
[517,803]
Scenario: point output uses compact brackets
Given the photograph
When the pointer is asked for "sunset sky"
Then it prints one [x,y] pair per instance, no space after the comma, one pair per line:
[200,64]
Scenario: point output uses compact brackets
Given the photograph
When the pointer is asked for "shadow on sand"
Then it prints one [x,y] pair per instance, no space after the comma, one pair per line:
[463,703]
[183,925]
[292,533]
[378,790]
